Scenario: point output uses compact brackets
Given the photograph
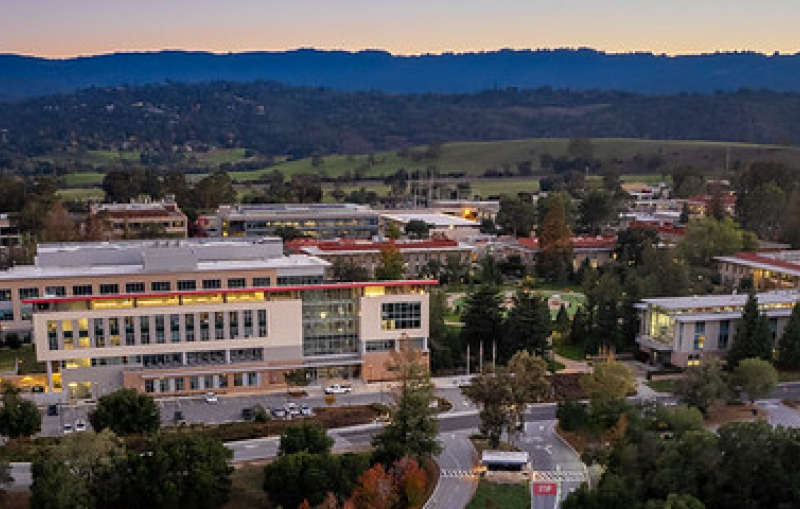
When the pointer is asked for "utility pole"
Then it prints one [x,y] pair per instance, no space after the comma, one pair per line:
[480,359]
[467,359]
[494,353]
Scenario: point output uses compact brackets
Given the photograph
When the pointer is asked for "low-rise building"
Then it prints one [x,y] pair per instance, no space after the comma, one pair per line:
[317,220]
[145,218]
[699,204]
[417,254]
[765,270]
[443,225]
[598,250]
[689,331]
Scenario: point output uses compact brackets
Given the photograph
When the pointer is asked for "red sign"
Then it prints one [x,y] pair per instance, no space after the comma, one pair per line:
[544,488]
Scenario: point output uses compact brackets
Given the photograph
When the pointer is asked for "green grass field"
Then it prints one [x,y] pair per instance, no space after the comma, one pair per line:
[491,495]
[83,179]
[82,194]
[571,352]
[663,385]
[27,357]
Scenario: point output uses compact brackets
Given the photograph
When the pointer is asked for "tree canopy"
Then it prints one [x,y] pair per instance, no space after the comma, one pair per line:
[126,411]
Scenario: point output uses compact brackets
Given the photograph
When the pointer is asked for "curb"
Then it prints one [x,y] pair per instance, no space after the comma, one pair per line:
[569,446]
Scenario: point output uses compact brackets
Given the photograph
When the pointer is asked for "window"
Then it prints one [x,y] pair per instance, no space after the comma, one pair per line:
[238,282]
[262,323]
[194,382]
[80,290]
[260,282]
[401,315]
[5,295]
[380,346]
[134,288]
[248,323]
[694,360]
[219,325]
[208,381]
[130,332]
[180,384]
[204,326]
[773,327]
[109,289]
[724,334]
[188,320]
[52,334]
[160,286]
[699,335]
[149,386]
[161,338]
[252,379]
[212,284]
[238,380]
[187,285]
[299,280]
[163,385]
[233,318]
[28,293]
[222,381]
[55,291]
[246,355]
[175,328]
[99,332]
[144,330]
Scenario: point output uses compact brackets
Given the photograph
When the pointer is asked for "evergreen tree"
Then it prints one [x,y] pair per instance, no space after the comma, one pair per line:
[561,324]
[483,318]
[554,261]
[789,344]
[579,329]
[390,265]
[528,326]
[753,338]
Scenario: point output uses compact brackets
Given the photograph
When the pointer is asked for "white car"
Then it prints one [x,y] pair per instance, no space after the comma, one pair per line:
[67,428]
[80,425]
[292,409]
[211,397]
[338,389]
[306,411]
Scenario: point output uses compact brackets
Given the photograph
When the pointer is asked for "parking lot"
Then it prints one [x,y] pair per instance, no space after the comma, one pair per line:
[195,409]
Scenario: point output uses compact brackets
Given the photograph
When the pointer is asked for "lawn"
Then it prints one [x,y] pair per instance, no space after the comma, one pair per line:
[83,179]
[501,496]
[82,194]
[663,385]
[788,376]
[571,352]
[27,357]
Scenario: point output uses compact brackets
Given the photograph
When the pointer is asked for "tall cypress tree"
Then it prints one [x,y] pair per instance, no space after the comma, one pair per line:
[482,317]
[789,343]
[753,337]
[554,260]
[528,326]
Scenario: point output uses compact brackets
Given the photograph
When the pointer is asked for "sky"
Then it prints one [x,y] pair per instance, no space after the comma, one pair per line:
[67,28]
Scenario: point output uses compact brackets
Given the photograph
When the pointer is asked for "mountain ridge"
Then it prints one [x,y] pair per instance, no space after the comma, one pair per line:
[575,69]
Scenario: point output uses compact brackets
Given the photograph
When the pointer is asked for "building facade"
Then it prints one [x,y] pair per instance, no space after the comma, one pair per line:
[318,221]
[227,340]
[418,255]
[765,270]
[595,250]
[133,220]
[690,331]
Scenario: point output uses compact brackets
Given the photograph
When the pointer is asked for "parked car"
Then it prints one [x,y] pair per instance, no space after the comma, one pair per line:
[279,413]
[80,425]
[52,410]
[179,419]
[338,389]
[247,414]
[67,429]
[292,409]
[306,411]
[211,397]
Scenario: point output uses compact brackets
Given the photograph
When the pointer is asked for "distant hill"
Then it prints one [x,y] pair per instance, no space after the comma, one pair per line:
[161,122]
[583,69]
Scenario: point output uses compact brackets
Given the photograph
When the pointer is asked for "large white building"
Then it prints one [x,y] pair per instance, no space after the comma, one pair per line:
[182,317]
[688,331]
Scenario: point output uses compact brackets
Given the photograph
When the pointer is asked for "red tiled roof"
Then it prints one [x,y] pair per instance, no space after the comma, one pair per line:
[727,199]
[756,257]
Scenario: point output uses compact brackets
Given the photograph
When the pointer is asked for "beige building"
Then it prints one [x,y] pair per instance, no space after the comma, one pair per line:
[765,270]
[131,220]
[225,315]
[417,254]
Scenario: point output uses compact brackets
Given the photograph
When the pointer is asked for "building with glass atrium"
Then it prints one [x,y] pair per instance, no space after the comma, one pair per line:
[191,316]
[688,331]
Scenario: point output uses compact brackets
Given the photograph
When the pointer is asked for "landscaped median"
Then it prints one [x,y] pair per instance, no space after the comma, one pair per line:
[497,495]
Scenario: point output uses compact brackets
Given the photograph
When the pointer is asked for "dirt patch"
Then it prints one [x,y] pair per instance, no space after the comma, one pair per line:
[16,500]
[566,386]
[247,488]
[719,415]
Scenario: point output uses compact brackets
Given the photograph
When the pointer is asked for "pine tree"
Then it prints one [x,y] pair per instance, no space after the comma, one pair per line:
[554,261]
[528,326]
[483,318]
[390,265]
[789,343]
[579,328]
[561,324]
[753,337]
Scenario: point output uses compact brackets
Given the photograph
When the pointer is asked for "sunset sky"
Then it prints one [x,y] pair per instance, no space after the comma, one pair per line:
[61,28]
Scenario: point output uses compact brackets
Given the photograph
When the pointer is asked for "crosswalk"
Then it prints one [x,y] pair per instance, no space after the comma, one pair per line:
[559,476]
[457,473]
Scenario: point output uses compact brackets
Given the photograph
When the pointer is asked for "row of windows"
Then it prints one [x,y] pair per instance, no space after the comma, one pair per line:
[178,384]
[158,329]
[155,286]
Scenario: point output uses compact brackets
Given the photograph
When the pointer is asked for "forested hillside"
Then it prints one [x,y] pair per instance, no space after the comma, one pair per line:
[169,121]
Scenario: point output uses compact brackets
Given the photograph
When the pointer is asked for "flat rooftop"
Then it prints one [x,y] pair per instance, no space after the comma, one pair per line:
[436,220]
[288,209]
[721,301]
